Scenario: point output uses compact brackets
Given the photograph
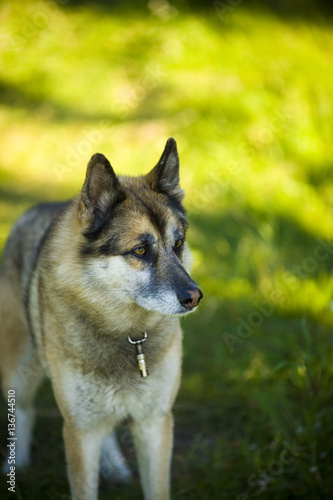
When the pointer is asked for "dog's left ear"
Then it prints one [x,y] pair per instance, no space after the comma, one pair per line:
[101,191]
[164,178]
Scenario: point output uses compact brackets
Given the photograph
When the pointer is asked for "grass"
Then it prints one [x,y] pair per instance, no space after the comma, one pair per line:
[249,100]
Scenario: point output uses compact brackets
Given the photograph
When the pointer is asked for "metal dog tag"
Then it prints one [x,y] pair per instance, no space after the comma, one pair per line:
[140,355]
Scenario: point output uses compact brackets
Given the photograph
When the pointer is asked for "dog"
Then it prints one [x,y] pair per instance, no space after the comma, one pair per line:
[91,293]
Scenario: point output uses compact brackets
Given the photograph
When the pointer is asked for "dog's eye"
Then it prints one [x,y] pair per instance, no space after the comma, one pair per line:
[178,243]
[140,251]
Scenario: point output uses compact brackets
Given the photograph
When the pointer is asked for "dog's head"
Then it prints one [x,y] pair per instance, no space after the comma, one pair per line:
[134,235]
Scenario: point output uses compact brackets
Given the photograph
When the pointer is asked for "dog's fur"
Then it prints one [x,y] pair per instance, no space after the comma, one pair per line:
[73,287]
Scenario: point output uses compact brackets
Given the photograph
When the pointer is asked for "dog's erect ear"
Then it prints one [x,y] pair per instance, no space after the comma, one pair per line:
[101,191]
[164,178]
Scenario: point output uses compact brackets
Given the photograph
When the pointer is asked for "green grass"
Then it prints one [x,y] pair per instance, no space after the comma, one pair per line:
[250,103]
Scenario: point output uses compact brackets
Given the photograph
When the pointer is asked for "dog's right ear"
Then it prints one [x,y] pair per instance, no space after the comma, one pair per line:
[164,178]
[101,191]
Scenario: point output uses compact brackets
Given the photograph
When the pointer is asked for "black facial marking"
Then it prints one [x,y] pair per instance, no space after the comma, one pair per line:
[110,247]
[146,239]
[100,246]
[87,250]
[155,217]
[102,218]
[179,211]
[104,237]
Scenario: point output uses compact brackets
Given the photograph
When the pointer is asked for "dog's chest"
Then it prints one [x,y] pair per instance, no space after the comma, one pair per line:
[92,400]
[102,395]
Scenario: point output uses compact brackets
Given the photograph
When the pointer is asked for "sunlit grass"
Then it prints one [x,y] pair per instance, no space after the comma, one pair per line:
[250,102]
[252,128]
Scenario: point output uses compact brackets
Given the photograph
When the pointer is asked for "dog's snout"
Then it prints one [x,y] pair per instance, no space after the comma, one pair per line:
[190,298]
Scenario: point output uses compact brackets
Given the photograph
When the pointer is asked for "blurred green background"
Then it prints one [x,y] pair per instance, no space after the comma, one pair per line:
[246,89]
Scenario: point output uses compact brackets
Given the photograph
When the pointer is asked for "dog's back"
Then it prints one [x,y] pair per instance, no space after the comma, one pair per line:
[19,259]
[23,244]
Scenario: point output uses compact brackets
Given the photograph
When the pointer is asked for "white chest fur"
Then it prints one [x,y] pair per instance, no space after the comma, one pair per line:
[93,401]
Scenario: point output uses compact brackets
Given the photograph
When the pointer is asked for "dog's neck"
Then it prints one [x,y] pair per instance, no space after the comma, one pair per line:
[109,353]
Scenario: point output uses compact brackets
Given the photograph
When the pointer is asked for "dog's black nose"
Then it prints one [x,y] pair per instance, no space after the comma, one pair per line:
[190,298]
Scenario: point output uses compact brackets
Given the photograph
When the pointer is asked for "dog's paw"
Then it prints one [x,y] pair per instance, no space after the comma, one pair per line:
[113,464]
[118,472]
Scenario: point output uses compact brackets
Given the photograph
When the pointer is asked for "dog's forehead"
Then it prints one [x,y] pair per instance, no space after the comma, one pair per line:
[143,217]
[147,211]
[153,219]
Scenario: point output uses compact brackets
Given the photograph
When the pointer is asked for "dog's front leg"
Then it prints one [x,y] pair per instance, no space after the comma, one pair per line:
[153,438]
[83,454]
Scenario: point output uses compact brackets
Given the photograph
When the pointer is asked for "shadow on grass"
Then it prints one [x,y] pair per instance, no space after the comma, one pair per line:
[302,9]
[20,98]
[19,197]
[247,244]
